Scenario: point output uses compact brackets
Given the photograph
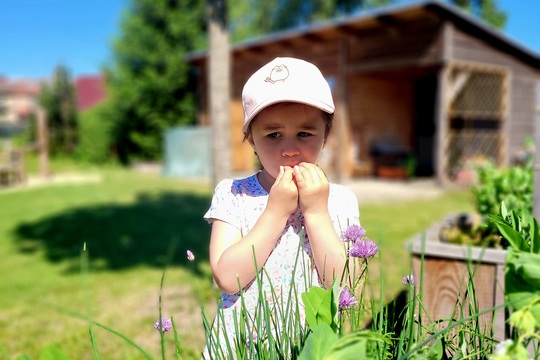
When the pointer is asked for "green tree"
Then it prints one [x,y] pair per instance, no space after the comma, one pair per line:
[249,18]
[57,97]
[486,10]
[149,81]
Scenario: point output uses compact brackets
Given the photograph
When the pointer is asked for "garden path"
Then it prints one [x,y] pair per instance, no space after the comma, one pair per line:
[375,190]
[367,190]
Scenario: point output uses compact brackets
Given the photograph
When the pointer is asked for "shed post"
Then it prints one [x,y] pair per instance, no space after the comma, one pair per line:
[219,89]
[43,144]
[442,125]
[342,118]
[441,106]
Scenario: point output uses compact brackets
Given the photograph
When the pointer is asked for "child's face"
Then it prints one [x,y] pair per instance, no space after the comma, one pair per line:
[287,134]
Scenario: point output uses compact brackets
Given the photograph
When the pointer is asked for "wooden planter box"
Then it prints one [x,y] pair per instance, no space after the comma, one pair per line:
[446,274]
[391,172]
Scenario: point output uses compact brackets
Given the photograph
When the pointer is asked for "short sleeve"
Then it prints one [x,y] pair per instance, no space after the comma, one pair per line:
[224,205]
[353,208]
[343,205]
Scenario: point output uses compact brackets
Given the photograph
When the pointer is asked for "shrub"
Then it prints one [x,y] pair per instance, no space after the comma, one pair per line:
[522,281]
[512,185]
[95,135]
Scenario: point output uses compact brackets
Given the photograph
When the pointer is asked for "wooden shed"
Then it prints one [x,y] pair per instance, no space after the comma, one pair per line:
[422,84]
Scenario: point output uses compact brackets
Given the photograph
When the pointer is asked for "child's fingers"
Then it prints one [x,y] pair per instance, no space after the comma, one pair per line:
[280,175]
[319,173]
[285,176]
[308,174]
[287,173]
[303,175]
[299,176]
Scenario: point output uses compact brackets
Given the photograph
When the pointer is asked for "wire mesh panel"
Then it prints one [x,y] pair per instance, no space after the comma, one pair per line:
[476,108]
[470,146]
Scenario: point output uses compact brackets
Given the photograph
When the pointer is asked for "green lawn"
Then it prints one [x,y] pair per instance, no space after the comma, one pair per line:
[131,223]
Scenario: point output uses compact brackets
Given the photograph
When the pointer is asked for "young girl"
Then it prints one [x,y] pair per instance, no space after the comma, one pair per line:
[285,212]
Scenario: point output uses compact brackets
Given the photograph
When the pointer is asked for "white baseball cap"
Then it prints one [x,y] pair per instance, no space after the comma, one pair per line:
[285,79]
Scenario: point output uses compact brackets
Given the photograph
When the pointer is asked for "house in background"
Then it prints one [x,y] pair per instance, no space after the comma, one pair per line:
[19,105]
[423,82]
[19,98]
[18,101]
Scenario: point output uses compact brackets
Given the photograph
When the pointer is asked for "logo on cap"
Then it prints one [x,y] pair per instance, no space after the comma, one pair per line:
[278,73]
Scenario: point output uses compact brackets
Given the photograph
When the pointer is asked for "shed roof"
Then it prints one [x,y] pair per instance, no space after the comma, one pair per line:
[388,17]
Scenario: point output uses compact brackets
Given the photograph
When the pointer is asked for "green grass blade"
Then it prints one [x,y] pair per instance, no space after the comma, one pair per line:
[125,338]
[93,340]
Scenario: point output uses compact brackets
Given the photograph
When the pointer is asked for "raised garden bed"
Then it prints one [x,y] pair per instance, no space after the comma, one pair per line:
[446,270]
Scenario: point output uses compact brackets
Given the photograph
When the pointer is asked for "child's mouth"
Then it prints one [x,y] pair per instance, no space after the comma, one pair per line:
[292,164]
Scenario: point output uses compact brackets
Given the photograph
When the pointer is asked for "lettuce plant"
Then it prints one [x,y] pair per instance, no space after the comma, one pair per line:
[522,277]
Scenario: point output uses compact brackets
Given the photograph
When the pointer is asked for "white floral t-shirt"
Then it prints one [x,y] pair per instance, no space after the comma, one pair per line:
[241,203]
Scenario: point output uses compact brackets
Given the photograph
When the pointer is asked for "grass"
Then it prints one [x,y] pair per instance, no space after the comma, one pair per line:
[129,222]
[391,226]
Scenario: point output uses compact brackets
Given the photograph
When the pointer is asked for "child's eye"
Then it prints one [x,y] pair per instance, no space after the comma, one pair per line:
[274,135]
[303,134]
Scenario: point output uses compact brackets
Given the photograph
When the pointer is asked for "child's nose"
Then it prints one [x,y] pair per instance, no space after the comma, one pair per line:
[289,149]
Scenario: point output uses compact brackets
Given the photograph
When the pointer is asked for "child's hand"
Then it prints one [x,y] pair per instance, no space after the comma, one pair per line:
[313,188]
[283,197]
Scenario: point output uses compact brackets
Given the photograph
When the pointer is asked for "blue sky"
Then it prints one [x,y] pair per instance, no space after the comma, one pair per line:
[37,35]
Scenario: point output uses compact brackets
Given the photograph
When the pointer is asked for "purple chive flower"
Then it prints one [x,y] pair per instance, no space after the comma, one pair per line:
[363,249]
[167,324]
[354,233]
[190,255]
[252,340]
[409,279]
[346,299]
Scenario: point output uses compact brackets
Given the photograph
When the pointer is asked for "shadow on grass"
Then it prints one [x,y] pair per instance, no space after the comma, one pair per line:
[392,314]
[120,236]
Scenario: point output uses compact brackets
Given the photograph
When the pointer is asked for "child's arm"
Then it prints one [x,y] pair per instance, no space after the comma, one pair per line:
[327,248]
[231,255]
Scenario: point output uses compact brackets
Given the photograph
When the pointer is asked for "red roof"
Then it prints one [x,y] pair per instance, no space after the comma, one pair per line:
[90,91]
